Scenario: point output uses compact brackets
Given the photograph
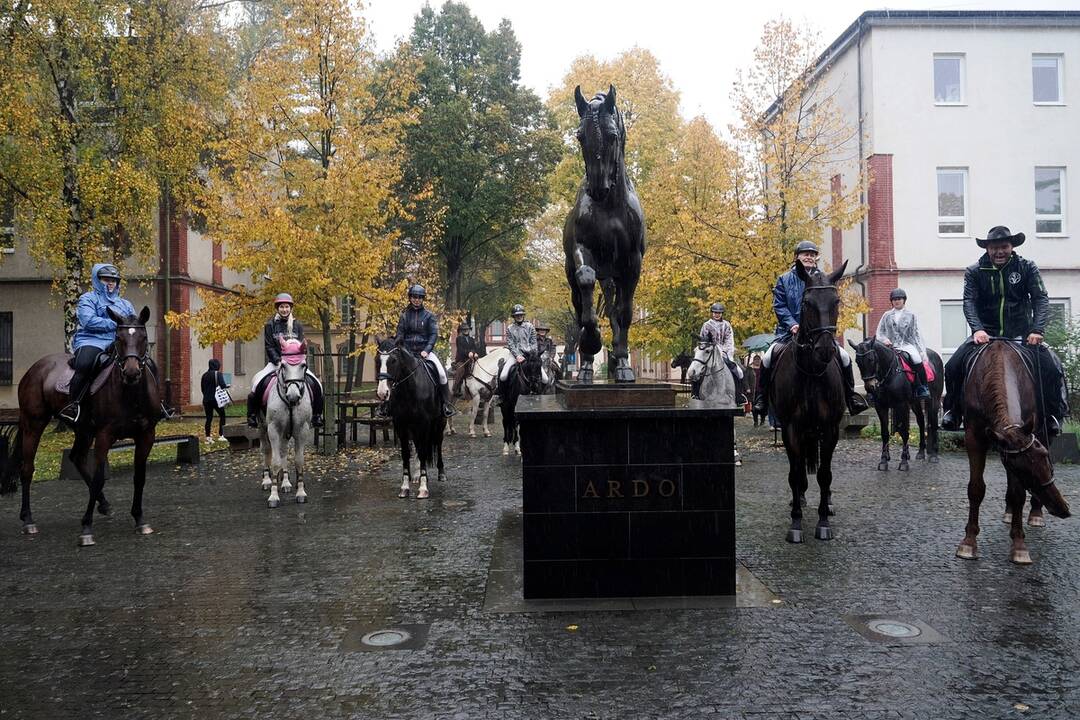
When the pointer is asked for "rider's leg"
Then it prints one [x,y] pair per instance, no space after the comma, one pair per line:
[855,402]
[318,402]
[84,366]
[459,376]
[254,398]
[761,393]
[444,386]
[953,402]
[1052,386]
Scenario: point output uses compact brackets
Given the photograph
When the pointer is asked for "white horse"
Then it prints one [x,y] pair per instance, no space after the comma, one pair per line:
[479,387]
[288,417]
[717,383]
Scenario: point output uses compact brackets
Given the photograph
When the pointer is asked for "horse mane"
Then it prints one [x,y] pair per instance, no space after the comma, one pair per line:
[993,395]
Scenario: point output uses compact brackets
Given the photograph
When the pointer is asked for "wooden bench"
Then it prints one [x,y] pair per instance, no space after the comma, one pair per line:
[187,452]
[241,437]
[349,417]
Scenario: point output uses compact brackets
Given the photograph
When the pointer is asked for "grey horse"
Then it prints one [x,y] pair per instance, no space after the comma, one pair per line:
[288,417]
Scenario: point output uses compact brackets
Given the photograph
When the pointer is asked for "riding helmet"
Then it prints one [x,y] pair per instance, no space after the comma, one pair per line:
[806,246]
[283,298]
[897,294]
[463,326]
[109,271]
[518,310]
[417,291]
[717,307]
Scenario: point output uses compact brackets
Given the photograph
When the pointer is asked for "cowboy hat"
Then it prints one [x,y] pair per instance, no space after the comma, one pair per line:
[1000,233]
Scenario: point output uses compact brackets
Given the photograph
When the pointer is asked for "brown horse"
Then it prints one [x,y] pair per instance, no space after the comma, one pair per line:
[807,397]
[1003,415]
[127,405]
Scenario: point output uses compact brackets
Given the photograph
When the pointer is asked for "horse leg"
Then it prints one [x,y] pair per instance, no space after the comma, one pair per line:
[829,438]
[920,419]
[276,469]
[1035,517]
[797,483]
[101,455]
[474,407]
[406,476]
[582,279]
[422,492]
[976,491]
[905,433]
[267,453]
[621,316]
[883,420]
[1015,496]
[31,436]
[508,420]
[143,444]
[80,448]
[439,460]
[298,460]
[488,411]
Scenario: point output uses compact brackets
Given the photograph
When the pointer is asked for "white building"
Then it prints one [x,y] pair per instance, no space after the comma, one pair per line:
[970,120]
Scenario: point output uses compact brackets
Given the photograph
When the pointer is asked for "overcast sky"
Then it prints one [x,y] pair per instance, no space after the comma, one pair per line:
[699,44]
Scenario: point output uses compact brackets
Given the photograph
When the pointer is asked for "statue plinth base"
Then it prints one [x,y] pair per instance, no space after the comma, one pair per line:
[624,500]
[611,394]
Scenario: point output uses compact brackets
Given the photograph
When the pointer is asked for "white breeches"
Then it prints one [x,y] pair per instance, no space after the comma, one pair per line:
[510,362]
[845,359]
[271,367]
[434,360]
[912,351]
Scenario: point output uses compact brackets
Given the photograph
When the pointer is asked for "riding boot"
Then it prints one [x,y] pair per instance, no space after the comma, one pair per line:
[76,389]
[761,394]
[1052,387]
[447,407]
[855,402]
[252,410]
[318,404]
[922,385]
[695,388]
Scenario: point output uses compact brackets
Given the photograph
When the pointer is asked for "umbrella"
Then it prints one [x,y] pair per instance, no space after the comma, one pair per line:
[759,342]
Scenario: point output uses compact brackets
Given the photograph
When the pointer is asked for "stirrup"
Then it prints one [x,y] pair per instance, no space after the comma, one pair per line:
[950,421]
[317,421]
[252,421]
[922,391]
[448,410]
[71,412]
[1053,426]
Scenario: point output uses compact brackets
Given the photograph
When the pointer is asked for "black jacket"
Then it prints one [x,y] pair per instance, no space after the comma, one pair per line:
[418,329]
[466,344]
[212,379]
[275,328]
[1005,302]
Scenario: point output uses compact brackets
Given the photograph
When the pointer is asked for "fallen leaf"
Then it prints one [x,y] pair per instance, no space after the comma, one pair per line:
[572,628]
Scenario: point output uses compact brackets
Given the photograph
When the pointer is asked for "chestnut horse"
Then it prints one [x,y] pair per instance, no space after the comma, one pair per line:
[128,405]
[1001,412]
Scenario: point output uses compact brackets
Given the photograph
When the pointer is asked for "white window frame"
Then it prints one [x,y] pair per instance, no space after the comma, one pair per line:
[1060,216]
[953,219]
[1060,59]
[963,79]
[1065,302]
[951,303]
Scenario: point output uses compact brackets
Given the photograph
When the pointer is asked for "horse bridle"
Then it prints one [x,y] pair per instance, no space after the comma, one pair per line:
[811,337]
[893,369]
[141,359]
[705,363]
[386,376]
[283,385]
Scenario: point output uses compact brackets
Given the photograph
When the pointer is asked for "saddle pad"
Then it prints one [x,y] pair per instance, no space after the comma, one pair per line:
[272,383]
[927,366]
[64,383]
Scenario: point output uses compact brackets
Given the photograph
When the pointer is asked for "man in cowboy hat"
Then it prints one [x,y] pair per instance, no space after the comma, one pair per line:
[1004,296]
[467,350]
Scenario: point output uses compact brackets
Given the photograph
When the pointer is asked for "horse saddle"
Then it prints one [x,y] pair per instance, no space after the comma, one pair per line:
[927,366]
[100,372]
[270,383]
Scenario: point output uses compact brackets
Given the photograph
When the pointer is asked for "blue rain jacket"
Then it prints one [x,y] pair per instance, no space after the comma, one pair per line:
[96,328]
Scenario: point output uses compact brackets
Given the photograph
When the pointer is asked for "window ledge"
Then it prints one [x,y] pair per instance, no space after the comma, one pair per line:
[955,236]
[1048,104]
[950,104]
[1055,236]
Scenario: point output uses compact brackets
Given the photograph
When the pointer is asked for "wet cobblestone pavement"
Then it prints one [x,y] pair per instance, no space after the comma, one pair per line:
[232,610]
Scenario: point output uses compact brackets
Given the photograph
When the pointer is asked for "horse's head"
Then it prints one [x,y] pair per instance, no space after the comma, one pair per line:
[532,372]
[602,137]
[131,344]
[388,365]
[292,372]
[820,311]
[699,364]
[866,357]
[1029,460]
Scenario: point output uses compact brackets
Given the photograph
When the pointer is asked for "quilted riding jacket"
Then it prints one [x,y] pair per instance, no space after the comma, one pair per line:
[1009,301]
[418,329]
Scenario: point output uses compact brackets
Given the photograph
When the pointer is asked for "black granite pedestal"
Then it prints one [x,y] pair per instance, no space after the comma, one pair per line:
[627,501]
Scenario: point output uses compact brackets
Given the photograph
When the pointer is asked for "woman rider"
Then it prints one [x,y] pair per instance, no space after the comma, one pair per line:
[417,330]
[96,330]
[282,325]
[899,329]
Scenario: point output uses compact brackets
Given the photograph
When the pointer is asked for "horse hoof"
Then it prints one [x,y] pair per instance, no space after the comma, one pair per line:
[883,465]
[738,463]
[506,449]
[86,540]
[404,493]
[423,495]
[920,455]
[487,434]
[966,552]
[1036,521]
[442,477]
[823,532]
[301,499]
[144,529]
[272,503]
[794,536]
[1007,518]
[472,435]
[904,466]
[30,529]
[104,508]
[1020,557]
[266,484]
[934,459]
[286,489]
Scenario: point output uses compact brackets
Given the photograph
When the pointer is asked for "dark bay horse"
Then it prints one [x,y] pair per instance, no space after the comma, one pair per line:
[807,397]
[1001,413]
[524,378]
[604,236]
[416,410]
[884,378]
[128,405]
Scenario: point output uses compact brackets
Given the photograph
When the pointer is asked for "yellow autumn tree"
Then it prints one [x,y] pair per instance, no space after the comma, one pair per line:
[302,193]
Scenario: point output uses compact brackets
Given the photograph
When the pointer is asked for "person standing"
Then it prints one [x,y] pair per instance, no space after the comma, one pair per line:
[211,380]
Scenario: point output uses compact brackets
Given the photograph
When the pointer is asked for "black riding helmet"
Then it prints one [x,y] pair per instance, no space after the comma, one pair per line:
[417,291]
[806,246]
[109,272]
[717,307]
[897,294]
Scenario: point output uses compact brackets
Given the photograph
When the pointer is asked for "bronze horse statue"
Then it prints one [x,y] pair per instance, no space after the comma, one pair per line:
[126,405]
[604,236]
[1003,415]
[807,397]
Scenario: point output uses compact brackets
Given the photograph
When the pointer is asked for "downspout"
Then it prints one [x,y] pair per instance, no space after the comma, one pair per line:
[862,173]
[168,297]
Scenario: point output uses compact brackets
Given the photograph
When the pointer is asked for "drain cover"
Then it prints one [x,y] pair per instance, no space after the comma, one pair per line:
[889,629]
[372,638]
[385,638]
[894,628]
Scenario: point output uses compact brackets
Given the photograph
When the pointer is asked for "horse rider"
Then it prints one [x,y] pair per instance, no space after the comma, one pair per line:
[1004,296]
[418,330]
[717,331]
[899,329]
[96,331]
[468,350]
[544,343]
[787,304]
[283,325]
[520,338]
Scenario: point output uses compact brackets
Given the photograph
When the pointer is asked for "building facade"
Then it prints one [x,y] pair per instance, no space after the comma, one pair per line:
[969,120]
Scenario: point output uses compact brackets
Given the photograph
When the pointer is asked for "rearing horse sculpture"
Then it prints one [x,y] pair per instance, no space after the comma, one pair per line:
[604,235]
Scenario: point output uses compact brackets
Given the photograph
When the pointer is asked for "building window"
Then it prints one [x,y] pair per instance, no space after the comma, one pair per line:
[238,358]
[948,79]
[6,347]
[954,328]
[497,329]
[1049,189]
[1059,312]
[952,201]
[1047,81]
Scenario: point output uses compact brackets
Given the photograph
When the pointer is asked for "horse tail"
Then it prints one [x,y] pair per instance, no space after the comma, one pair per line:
[11,456]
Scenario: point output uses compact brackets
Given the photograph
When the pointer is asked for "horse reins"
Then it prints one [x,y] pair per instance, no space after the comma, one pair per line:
[141,359]
[718,370]
[813,334]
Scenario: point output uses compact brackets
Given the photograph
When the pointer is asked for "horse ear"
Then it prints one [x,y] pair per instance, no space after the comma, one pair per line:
[281,342]
[115,318]
[579,100]
[801,272]
[609,100]
[144,315]
[853,345]
[303,347]
[838,273]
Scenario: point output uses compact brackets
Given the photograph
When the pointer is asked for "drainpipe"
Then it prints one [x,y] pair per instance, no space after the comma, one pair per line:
[168,297]
[862,161]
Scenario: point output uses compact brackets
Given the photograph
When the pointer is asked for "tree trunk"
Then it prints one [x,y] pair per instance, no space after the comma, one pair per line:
[350,361]
[329,444]
[360,361]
